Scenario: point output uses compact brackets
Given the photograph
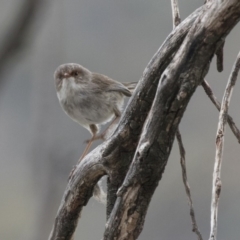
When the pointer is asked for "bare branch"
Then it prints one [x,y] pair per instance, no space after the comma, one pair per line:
[16,37]
[176,19]
[154,70]
[114,155]
[175,13]
[216,103]
[177,76]
[76,195]
[186,185]
[176,86]
[217,184]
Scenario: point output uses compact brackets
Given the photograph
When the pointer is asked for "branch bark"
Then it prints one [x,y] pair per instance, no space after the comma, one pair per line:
[177,84]
[150,79]
[148,126]
[175,13]
[115,155]
[177,20]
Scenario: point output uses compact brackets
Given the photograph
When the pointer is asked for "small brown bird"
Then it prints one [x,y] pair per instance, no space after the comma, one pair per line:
[90,99]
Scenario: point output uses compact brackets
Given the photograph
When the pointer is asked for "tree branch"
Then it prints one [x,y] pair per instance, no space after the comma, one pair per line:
[116,153]
[152,73]
[175,12]
[217,184]
[219,56]
[176,86]
[216,103]
[186,185]
[179,74]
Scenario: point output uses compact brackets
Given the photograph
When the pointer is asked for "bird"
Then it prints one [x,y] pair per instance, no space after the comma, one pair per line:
[90,99]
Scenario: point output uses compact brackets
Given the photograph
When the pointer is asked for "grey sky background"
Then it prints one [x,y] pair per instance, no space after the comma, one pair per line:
[39,144]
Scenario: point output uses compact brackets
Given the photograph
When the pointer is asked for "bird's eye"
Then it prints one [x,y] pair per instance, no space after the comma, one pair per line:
[75,73]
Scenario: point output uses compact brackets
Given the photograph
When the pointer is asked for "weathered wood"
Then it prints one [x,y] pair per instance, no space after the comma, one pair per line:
[177,84]
[151,117]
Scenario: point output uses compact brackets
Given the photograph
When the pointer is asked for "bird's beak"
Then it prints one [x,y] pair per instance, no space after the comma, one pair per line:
[66,75]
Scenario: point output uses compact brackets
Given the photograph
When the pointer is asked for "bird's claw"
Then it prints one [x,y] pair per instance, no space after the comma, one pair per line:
[87,141]
[101,136]
[71,173]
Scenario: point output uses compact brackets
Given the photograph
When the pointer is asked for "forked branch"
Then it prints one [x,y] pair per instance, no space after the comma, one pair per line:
[143,139]
[114,156]
[176,86]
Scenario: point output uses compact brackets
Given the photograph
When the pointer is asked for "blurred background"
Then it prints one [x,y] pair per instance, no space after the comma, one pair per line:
[39,144]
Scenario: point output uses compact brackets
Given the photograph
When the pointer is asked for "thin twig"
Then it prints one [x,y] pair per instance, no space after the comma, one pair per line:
[217,104]
[176,21]
[217,185]
[175,13]
[186,185]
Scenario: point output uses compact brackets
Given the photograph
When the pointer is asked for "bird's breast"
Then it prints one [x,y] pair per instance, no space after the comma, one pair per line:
[67,89]
[87,107]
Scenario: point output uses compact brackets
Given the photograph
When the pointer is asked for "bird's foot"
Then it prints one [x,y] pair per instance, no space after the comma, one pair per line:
[97,137]
[71,173]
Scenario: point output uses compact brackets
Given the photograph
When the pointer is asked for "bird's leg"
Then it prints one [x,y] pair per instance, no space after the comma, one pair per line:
[94,130]
[117,114]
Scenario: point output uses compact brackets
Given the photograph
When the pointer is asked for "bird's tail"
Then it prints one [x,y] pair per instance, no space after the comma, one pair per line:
[130,85]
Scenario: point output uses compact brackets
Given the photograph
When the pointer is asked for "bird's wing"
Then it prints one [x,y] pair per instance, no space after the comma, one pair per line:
[109,85]
[118,87]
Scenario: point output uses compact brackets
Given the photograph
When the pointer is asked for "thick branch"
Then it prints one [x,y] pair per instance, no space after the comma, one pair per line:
[116,153]
[76,195]
[176,18]
[150,79]
[176,86]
